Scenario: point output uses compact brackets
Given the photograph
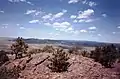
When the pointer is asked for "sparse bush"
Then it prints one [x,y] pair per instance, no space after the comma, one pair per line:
[33,51]
[9,73]
[85,54]
[59,61]
[48,49]
[19,48]
[106,55]
[29,54]
[3,57]
[74,50]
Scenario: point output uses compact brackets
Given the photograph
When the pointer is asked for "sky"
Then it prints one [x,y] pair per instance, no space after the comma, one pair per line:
[90,20]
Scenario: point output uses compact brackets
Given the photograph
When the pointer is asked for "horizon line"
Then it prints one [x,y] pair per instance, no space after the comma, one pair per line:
[58,39]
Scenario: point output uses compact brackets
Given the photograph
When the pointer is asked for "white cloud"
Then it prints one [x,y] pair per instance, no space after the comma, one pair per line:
[47,24]
[64,11]
[76,32]
[1,11]
[30,11]
[57,34]
[73,1]
[104,15]
[56,29]
[48,16]
[84,1]
[73,16]
[89,20]
[21,0]
[22,28]
[58,15]
[56,24]
[16,1]
[75,21]
[114,32]
[54,34]
[4,27]
[34,21]
[70,29]
[118,27]
[38,12]
[86,20]
[91,4]
[84,31]
[91,31]
[30,3]
[61,25]
[85,14]
[92,28]
[81,20]
[99,34]
[5,24]
[66,23]
[64,26]
[34,12]
[50,33]
[18,24]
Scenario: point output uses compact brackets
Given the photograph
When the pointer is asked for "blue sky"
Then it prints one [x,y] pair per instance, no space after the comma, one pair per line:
[92,20]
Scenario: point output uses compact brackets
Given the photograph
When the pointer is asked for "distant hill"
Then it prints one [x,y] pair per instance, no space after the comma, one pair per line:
[65,42]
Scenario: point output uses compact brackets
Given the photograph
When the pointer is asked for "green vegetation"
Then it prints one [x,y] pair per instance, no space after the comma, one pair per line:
[59,61]
[33,51]
[85,54]
[106,55]
[19,48]
[74,50]
[48,49]
[3,57]
[9,73]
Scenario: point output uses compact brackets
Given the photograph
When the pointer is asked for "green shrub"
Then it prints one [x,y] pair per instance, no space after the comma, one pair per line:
[74,50]
[106,55]
[59,61]
[48,49]
[33,51]
[85,54]
[19,48]
[9,73]
[3,57]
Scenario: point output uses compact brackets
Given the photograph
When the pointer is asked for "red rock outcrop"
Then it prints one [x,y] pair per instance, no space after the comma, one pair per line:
[81,68]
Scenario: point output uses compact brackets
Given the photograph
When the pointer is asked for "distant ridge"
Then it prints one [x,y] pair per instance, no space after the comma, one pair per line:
[65,42]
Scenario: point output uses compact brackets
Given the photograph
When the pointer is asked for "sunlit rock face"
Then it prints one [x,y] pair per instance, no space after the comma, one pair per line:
[81,68]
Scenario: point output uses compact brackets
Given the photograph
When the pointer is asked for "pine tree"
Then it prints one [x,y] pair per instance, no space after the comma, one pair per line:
[12,73]
[3,57]
[19,47]
[59,61]
[48,49]
[106,55]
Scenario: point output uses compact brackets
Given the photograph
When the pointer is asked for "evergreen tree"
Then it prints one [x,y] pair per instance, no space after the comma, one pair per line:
[3,57]
[106,55]
[19,47]
[59,61]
